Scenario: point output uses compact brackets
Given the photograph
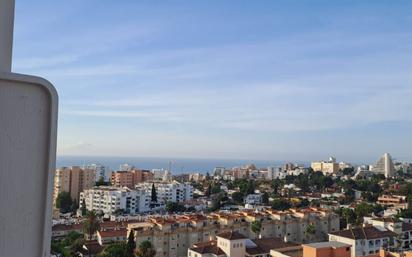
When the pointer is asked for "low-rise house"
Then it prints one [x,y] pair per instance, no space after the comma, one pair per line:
[172,235]
[111,236]
[366,240]
[396,201]
[235,244]
[253,199]
[62,230]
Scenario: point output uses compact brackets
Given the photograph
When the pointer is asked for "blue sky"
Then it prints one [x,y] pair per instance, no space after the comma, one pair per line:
[281,80]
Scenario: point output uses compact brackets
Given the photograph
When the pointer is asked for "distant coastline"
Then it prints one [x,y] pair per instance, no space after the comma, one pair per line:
[178,165]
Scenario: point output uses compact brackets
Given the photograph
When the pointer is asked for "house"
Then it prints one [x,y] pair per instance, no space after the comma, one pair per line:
[366,240]
[111,236]
[235,244]
[327,249]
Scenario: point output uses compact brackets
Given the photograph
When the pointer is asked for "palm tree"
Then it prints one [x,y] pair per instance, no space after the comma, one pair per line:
[145,249]
[91,224]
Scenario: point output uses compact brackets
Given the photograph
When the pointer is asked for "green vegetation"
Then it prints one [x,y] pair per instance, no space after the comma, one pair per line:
[154,194]
[91,224]
[145,249]
[256,226]
[237,197]
[131,245]
[281,204]
[83,209]
[115,250]
[68,246]
[64,202]
[310,230]
[101,182]
[265,198]
[174,207]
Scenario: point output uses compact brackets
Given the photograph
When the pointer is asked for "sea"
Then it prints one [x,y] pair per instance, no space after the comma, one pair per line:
[176,165]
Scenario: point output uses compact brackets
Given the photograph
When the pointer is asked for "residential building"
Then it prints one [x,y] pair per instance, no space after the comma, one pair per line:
[276,173]
[161,175]
[197,177]
[172,235]
[99,170]
[253,199]
[169,191]
[130,178]
[72,180]
[366,240]
[326,167]
[109,236]
[327,249]
[385,166]
[402,229]
[110,200]
[235,244]
[397,201]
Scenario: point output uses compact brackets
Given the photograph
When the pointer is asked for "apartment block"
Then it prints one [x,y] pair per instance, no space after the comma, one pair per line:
[73,180]
[367,240]
[169,191]
[110,200]
[326,167]
[129,178]
[173,235]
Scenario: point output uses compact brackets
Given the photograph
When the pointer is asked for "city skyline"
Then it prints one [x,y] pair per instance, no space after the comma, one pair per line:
[284,80]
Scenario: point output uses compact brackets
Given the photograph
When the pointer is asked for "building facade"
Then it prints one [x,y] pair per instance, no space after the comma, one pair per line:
[173,235]
[111,200]
[169,191]
[72,180]
[326,167]
[129,178]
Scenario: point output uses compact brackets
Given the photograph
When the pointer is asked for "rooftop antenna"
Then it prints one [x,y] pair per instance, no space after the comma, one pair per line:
[6,34]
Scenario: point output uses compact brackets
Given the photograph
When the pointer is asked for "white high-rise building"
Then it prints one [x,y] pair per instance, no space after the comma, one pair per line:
[385,166]
[109,200]
[99,169]
[169,191]
[276,173]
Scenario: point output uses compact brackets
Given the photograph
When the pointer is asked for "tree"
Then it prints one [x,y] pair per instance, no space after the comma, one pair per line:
[281,204]
[115,250]
[304,203]
[348,215]
[101,182]
[84,210]
[208,190]
[256,227]
[76,246]
[64,202]
[145,249]
[310,230]
[237,197]
[154,194]
[91,224]
[131,245]
[265,198]
[363,209]
[215,189]
[216,203]
[174,207]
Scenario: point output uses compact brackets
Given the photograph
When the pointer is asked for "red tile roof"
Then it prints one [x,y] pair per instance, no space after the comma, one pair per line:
[231,235]
[113,233]
[369,232]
